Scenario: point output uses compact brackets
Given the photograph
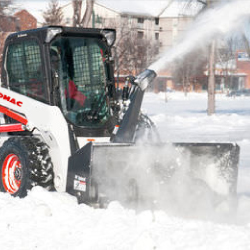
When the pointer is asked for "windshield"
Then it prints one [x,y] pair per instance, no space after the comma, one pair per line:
[79,66]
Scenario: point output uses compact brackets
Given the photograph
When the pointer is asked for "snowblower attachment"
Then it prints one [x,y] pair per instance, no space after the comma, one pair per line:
[73,99]
[127,172]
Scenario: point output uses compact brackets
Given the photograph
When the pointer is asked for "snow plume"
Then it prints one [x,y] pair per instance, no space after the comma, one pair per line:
[216,21]
[163,178]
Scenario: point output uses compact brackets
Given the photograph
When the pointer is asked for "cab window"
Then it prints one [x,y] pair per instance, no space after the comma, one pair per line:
[82,74]
[24,70]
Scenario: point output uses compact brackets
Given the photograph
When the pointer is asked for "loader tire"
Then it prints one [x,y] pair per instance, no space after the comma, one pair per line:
[25,163]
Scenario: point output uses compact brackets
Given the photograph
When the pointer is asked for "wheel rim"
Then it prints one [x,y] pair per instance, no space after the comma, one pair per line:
[12,173]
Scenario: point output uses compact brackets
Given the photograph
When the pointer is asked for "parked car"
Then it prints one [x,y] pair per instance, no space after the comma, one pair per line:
[240,92]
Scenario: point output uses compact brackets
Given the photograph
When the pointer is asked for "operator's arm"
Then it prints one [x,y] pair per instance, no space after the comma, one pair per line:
[74,94]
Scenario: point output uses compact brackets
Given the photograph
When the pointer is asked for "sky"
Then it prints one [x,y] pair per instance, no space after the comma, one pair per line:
[36,7]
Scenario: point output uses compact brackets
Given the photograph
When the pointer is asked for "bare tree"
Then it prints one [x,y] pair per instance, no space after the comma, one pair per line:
[88,13]
[226,59]
[246,43]
[3,5]
[78,20]
[134,51]
[4,22]
[7,24]
[53,15]
[190,69]
[77,8]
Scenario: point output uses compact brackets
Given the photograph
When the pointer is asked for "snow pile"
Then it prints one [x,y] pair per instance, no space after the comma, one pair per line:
[54,221]
[51,220]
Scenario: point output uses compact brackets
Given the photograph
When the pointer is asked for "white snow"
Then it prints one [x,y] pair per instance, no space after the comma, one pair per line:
[50,220]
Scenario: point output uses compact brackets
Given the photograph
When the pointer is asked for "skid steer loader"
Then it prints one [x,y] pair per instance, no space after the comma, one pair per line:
[65,127]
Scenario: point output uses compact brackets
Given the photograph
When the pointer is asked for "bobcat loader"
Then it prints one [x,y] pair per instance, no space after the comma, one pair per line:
[65,127]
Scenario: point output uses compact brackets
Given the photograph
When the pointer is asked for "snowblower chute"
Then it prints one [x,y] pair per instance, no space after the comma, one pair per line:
[58,93]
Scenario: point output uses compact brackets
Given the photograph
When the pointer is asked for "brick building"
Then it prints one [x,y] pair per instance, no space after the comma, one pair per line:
[25,20]
[243,68]
[7,23]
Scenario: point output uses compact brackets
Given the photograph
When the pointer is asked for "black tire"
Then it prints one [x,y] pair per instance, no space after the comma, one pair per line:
[25,163]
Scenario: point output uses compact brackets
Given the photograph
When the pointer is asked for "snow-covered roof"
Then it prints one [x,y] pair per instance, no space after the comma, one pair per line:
[137,7]
[182,8]
[167,8]
[229,65]
[162,8]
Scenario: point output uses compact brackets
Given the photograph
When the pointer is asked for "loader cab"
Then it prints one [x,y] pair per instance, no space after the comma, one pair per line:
[79,70]
[67,67]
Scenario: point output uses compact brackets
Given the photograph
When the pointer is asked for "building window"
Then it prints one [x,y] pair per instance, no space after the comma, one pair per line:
[68,20]
[175,23]
[140,20]
[140,34]
[157,21]
[99,19]
[156,36]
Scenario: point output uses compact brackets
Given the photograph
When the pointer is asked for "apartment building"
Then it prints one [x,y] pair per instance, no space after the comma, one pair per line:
[161,21]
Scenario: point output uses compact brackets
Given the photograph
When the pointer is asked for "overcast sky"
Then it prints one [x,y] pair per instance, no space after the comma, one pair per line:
[35,7]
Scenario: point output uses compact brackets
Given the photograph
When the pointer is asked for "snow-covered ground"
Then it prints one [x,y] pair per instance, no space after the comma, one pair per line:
[48,220]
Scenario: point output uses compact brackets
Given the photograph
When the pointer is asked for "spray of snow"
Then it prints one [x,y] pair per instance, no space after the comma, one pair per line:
[213,22]
[164,177]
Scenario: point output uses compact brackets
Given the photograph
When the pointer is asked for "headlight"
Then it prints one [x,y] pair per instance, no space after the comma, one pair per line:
[51,33]
[110,35]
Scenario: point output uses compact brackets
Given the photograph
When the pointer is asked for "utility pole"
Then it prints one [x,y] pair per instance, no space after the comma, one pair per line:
[211,80]
[211,75]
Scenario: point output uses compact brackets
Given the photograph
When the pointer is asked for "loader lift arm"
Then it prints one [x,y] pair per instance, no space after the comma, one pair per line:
[15,127]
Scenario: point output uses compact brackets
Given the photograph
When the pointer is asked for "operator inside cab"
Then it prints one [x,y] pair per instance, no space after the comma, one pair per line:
[75,99]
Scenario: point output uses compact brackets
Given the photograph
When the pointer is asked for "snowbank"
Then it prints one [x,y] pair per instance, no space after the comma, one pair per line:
[50,220]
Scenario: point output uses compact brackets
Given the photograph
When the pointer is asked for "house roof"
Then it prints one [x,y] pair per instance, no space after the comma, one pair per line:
[161,8]
[179,8]
[24,11]
[138,7]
